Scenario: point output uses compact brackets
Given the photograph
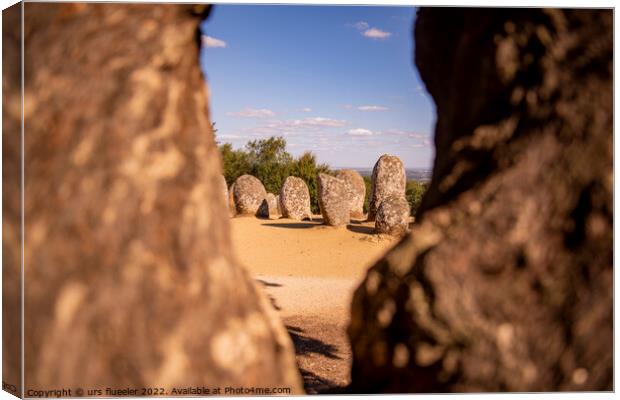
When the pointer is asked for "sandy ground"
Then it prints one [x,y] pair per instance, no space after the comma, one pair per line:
[309,271]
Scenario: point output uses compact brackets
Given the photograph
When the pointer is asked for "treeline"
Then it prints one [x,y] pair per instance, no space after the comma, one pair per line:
[268,160]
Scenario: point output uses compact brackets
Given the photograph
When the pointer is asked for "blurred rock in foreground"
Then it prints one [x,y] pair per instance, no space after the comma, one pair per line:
[505,282]
[130,279]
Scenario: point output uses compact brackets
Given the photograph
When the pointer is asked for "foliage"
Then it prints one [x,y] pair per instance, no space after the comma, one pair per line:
[414,193]
[268,160]
[235,162]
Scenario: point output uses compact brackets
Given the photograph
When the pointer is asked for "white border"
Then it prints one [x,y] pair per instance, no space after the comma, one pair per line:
[479,3]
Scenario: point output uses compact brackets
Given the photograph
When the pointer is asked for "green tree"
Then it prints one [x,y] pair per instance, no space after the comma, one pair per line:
[235,163]
[269,162]
[415,192]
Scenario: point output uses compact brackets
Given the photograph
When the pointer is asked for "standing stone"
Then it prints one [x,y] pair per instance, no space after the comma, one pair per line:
[269,207]
[295,199]
[130,275]
[248,194]
[356,191]
[278,205]
[232,209]
[505,282]
[333,200]
[388,177]
[393,216]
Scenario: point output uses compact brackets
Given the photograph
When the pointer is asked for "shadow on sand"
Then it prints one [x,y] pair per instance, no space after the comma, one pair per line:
[354,226]
[368,230]
[294,225]
[314,384]
[268,284]
[306,344]
[274,304]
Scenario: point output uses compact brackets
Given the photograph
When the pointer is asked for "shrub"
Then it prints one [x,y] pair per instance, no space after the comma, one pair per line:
[414,193]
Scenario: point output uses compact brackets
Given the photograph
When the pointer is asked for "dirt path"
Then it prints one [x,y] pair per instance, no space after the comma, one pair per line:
[309,271]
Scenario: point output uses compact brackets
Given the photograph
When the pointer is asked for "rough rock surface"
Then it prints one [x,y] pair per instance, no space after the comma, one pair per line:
[232,209]
[295,199]
[269,207]
[393,216]
[278,204]
[505,282]
[333,200]
[131,280]
[11,199]
[356,191]
[388,178]
[248,194]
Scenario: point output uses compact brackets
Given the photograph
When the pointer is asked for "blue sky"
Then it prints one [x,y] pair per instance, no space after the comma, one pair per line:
[336,80]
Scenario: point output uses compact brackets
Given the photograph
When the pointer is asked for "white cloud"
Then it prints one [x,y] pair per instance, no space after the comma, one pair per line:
[209,41]
[306,109]
[361,132]
[372,108]
[376,33]
[367,31]
[249,112]
[230,137]
[347,106]
[418,139]
[294,126]
[320,121]
[309,123]
[361,25]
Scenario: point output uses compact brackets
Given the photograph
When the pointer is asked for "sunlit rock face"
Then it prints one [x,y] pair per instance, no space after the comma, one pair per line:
[130,276]
[248,194]
[295,199]
[388,179]
[356,191]
[393,216]
[333,200]
[505,282]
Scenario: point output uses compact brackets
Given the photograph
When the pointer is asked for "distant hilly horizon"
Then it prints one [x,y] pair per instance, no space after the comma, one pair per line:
[418,174]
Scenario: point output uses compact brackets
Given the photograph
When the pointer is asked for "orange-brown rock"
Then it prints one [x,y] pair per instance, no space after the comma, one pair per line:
[505,282]
[130,277]
[11,199]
